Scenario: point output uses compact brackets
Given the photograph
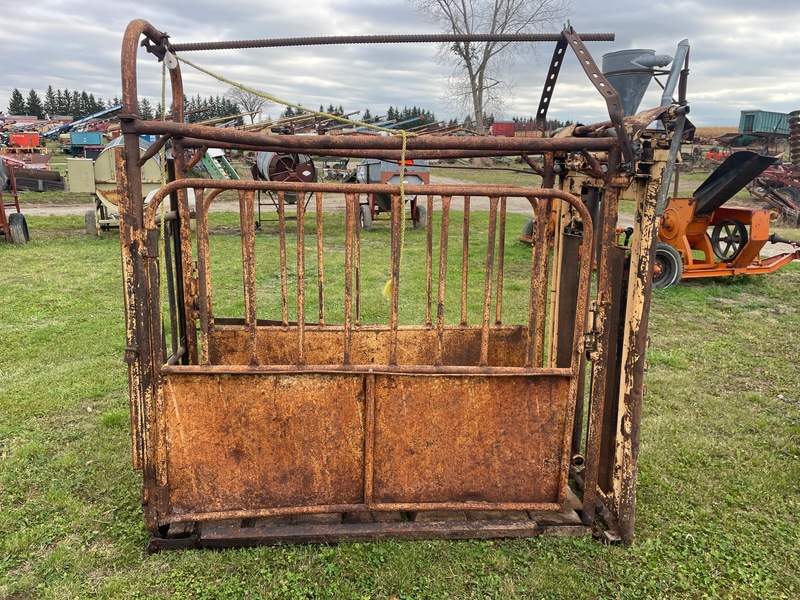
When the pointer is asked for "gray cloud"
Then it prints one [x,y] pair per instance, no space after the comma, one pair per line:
[743,55]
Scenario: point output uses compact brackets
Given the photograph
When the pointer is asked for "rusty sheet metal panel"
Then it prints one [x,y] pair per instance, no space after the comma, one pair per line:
[228,345]
[469,439]
[248,442]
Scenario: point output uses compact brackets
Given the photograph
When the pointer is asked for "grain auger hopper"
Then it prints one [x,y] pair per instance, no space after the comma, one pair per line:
[306,401]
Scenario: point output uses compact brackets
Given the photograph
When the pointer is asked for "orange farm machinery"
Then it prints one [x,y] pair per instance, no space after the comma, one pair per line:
[699,237]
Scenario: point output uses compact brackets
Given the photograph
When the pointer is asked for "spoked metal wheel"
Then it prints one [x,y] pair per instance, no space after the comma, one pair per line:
[668,266]
[728,238]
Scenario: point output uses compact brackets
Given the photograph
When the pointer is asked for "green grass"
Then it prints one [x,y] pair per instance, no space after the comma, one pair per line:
[719,484]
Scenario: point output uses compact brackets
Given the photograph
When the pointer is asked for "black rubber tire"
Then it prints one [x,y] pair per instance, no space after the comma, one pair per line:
[527,229]
[90,221]
[668,266]
[791,194]
[728,238]
[421,221]
[365,217]
[18,229]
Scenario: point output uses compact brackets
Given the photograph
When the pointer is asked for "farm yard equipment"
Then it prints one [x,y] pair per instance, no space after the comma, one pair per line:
[729,239]
[371,170]
[282,166]
[87,144]
[105,213]
[13,225]
[317,411]
[779,186]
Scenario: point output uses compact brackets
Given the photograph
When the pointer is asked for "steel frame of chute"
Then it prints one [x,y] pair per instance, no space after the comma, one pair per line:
[319,428]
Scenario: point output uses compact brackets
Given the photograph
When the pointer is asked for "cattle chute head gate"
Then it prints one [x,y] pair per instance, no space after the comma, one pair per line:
[277,396]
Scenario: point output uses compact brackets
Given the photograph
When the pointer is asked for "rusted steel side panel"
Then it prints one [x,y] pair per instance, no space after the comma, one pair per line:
[255,441]
[416,346]
[468,438]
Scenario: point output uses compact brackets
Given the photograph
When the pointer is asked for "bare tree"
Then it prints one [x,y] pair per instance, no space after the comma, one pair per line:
[247,101]
[476,84]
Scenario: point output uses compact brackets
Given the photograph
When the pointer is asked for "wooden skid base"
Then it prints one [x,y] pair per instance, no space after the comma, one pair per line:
[367,527]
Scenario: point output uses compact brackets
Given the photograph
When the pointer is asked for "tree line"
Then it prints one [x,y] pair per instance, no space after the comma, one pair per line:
[77,105]
[55,102]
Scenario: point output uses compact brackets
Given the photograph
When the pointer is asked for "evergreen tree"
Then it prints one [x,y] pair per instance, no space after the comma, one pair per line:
[33,106]
[75,104]
[66,104]
[367,116]
[59,106]
[86,107]
[16,105]
[50,101]
[145,109]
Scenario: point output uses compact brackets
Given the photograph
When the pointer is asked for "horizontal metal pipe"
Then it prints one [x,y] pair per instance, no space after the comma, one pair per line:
[352,188]
[365,153]
[322,143]
[342,508]
[421,370]
[383,39]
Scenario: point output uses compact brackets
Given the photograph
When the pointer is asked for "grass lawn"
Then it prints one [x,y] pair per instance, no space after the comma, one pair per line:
[719,484]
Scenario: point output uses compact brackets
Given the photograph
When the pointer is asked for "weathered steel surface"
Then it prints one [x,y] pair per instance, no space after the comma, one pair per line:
[415,426]
[259,441]
[468,439]
[369,346]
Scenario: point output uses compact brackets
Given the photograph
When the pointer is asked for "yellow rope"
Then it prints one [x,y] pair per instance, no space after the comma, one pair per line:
[401,133]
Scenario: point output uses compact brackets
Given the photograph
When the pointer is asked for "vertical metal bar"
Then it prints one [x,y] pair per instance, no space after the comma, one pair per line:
[602,373]
[203,274]
[578,360]
[301,281]
[487,284]
[501,253]
[536,307]
[369,438]
[632,356]
[184,255]
[169,273]
[443,241]
[350,202]
[429,262]
[357,258]
[542,230]
[320,263]
[284,276]
[397,249]
[465,261]
[248,224]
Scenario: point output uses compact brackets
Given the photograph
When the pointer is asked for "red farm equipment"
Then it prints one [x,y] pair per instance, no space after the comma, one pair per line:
[779,185]
[12,222]
[371,170]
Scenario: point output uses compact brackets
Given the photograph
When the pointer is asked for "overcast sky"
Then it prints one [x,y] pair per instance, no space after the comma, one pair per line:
[744,54]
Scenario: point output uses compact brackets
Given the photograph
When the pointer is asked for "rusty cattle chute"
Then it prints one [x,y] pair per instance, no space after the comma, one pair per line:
[321,422]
